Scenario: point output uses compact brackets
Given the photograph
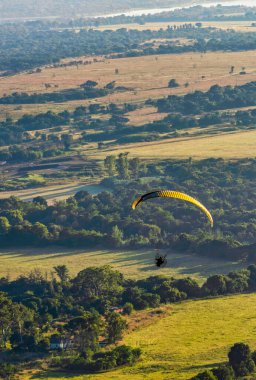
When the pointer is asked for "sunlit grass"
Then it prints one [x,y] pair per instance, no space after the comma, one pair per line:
[133,264]
[193,336]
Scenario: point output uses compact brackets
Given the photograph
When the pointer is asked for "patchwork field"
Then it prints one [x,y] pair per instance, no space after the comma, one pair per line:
[193,335]
[133,264]
[144,77]
[225,145]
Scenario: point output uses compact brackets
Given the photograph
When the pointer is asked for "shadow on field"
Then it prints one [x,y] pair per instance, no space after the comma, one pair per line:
[204,366]
[53,375]
[143,261]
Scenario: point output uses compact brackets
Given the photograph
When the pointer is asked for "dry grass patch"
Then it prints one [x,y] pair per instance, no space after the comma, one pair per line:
[144,115]
[225,145]
[147,76]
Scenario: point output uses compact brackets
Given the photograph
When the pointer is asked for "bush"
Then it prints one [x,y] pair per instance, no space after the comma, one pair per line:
[206,375]
[173,83]
[7,371]
[224,372]
[128,308]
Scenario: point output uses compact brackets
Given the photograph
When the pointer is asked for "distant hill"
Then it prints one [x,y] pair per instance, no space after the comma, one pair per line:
[75,8]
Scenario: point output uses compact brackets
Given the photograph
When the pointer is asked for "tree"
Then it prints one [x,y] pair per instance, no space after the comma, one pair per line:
[115,326]
[89,84]
[4,225]
[123,165]
[134,165]
[128,308]
[173,83]
[40,200]
[110,85]
[117,237]
[206,375]
[87,329]
[40,231]
[62,272]
[240,359]
[224,372]
[110,165]
[216,285]
[7,371]
[67,139]
[98,283]
[232,68]
[5,320]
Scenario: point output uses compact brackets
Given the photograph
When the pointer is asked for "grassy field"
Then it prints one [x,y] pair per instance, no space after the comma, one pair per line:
[226,145]
[133,264]
[193,335]
[54,192]
[145,77]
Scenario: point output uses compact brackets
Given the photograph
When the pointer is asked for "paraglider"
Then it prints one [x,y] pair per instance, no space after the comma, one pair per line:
[160,260]
[173,194]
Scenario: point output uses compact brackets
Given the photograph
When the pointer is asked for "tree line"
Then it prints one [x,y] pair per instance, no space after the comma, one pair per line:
[196,13]
[21,48]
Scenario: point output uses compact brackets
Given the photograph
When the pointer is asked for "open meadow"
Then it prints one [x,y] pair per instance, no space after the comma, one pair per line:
[133,264]
[143,77]
[192,336]
[230,145]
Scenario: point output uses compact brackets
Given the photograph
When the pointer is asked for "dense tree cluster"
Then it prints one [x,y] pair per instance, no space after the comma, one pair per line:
[21,47]
[226,188]
[216,98]
[241,363]
[56,96]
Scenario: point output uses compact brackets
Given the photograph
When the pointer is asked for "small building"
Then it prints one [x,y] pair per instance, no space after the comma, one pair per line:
[57,342]
[116,309]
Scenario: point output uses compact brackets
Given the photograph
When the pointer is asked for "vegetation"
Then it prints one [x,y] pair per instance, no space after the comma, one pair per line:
[21,48]
[84,221]
[76,312]
[81,321]
[241,363]
[198,13]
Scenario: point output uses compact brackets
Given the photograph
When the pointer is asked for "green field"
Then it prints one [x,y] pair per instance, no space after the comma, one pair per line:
[193,335]
[133,264]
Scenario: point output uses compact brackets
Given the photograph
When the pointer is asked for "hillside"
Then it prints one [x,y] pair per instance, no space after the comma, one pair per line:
[194,335]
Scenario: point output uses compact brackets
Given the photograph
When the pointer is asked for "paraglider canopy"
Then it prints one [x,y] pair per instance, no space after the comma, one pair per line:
[173,194]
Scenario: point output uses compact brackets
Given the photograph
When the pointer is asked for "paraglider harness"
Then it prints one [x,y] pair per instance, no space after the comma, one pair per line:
[160,260]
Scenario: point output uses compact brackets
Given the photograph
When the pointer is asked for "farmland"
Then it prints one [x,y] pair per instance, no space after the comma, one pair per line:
[143,77]
[231,145]
[193,336]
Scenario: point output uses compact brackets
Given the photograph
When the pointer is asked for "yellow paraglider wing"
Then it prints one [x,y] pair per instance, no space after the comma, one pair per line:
[173,194]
